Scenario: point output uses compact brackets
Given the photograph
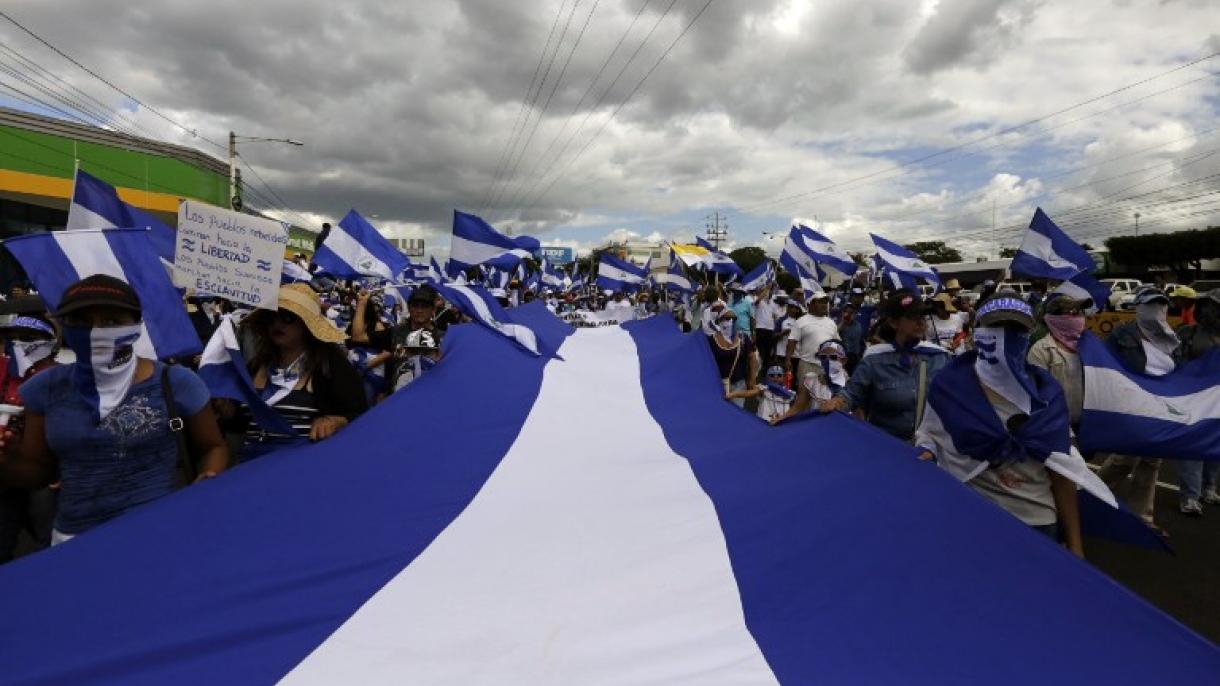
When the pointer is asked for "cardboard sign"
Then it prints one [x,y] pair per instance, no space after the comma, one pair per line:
[230,255]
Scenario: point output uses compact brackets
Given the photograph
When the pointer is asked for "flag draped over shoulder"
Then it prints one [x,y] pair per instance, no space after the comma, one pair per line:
[1175,416]
[223,368]
[664,556]
[57,259]
[356,248]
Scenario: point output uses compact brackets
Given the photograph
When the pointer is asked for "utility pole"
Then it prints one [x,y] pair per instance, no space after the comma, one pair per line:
[1137,223]
[234,203]
[717,229]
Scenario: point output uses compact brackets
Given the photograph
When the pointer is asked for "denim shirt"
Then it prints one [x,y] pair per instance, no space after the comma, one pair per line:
[886,391]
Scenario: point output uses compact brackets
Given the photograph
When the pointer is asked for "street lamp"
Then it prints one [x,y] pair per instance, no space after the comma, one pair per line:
[234,199]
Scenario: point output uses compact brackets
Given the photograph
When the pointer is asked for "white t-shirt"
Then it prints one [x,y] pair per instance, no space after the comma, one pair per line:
[772,406]
[811,332]
[766,312]
[817,387]
[943,331]
[785,330]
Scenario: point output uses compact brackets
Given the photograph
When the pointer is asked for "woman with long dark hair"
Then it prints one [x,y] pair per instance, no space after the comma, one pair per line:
[301,372]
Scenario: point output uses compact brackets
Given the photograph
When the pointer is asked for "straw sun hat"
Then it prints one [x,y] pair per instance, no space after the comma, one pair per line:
[301,300]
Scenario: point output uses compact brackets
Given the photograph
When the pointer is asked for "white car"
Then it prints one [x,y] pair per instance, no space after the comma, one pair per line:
[1122,291]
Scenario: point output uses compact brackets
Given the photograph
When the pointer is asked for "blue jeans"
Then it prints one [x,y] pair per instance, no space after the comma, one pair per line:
[1195,476]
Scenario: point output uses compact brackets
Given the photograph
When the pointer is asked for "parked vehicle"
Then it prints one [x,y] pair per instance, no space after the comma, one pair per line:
[1120,289]
[1205,285]
[1022,287]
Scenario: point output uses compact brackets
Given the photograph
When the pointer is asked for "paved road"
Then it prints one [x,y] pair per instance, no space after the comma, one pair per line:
[1185,584]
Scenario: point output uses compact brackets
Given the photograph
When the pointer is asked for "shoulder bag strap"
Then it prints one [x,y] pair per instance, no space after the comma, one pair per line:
[921,393]
[177,427]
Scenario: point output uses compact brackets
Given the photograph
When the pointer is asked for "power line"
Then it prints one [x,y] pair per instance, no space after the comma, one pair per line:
[597,105]
[554,87]
[1001,132]
[512,140]
[99,77]
[596,77]
[898,172]
[35,68]
[621,105]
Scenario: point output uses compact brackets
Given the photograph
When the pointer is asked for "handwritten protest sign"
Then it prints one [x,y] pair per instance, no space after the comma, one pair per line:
[228,254]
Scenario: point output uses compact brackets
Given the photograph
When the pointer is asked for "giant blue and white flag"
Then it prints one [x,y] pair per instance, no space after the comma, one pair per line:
[760,277]
[97,205]
[1176,416]
[826,253]
[896,258]
[718,262]
[223,368]
[57,259]
[619,275]
[1047,252]
[474,242]
[503,544]
[356,248]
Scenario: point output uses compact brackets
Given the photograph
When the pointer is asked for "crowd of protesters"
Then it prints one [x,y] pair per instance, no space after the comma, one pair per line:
[878,356]
[334,349]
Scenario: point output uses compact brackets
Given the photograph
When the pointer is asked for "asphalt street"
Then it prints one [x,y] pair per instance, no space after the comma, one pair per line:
[1184,584]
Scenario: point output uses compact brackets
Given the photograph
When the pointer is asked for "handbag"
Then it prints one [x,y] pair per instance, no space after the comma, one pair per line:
[186,464]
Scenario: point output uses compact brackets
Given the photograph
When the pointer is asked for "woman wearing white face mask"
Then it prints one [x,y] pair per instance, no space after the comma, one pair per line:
[1000,425]
[104,423]
[735,356]
[1149,346]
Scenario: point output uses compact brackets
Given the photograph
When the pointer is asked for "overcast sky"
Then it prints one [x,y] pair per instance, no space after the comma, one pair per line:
[889,116]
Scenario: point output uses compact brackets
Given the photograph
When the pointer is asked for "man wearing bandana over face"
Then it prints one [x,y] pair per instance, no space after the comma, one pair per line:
[103,423]
[1000,425]
[29,348]
[1149,346]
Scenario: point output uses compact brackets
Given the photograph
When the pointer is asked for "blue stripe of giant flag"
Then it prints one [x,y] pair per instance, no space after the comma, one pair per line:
[474,241]
[239,579]
[57,259]
[1175,416]
[1047,252]
[858,564]
[356,248]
